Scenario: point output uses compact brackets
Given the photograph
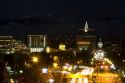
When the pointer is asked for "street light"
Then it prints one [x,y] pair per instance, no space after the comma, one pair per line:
[55,65]
[35,59]
[51,80]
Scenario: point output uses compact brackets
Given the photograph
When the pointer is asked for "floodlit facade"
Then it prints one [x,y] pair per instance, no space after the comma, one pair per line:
[37,43]
[62,47]
[86,42]
[99,54]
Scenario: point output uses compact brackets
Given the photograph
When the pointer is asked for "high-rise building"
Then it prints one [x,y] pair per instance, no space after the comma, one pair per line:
[6,44]
[37,43]
[86,41]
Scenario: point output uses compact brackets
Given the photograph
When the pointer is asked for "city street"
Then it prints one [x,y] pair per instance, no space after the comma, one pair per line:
[102,78]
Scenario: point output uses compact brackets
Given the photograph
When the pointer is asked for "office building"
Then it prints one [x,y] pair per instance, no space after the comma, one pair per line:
[86,41]
[6,44]
[37,43]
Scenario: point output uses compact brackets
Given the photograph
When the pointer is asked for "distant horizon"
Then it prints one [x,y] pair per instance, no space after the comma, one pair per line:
[50,25]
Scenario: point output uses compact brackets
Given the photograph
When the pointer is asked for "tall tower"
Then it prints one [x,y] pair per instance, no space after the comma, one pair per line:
[86,29]
[86,41]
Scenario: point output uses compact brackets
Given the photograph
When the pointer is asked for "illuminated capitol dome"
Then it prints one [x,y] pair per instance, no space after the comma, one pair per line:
[99,54]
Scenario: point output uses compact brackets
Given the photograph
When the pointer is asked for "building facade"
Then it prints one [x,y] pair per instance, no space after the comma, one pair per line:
[6,44]
[37,43]
[86,42]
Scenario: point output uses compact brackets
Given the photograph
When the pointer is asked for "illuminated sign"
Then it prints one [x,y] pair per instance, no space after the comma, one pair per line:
[36,49]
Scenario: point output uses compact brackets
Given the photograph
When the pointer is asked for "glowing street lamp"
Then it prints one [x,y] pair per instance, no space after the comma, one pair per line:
[55,65]
[51,80]
[35,59]
[11,80]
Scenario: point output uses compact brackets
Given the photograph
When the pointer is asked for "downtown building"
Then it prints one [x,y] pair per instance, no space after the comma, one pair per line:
[86,41]
[6,44]
[37,43]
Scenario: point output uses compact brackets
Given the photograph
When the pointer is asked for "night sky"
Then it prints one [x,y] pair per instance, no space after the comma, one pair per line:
[19,17]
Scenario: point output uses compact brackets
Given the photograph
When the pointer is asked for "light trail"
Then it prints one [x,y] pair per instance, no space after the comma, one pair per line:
[80,80]
[86,71]
[85,80]
[73,80]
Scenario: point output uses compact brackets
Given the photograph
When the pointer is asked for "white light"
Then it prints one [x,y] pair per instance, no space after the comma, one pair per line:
[36,49]
[44,70]
[81,48]
[67,64]
[113,67]
[8,68]
[101,66]
[21,71]
[85,80]
[70,68]
[99,55]
[75,67]
[87,71]
[51,80]
[48,49]
[92,63]
[44,40]
[11,81]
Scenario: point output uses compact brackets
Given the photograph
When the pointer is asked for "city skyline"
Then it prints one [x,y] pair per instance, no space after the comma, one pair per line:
[62,17]
[62,41]
[54,27]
